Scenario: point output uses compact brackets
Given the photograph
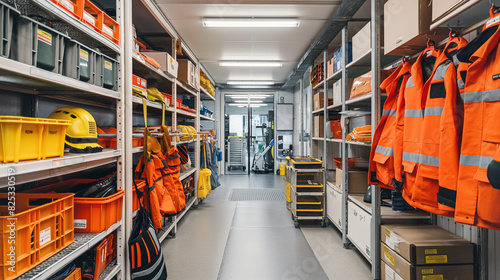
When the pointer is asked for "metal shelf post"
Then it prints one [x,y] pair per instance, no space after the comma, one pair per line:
[345,153]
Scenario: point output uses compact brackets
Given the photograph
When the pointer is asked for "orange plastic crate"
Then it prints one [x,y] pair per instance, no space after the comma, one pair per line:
[73,7]
[110,29]
[76,275]
[40,230]
[98,214]
[168,98]
[92,16]
[105,253]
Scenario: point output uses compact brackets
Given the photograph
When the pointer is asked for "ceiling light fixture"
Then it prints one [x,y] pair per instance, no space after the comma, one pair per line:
[251,83]
[251,101]
[250,63]
[251,22]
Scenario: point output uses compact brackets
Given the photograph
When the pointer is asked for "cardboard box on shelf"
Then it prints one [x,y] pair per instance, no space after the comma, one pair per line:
[330,67]
[319,126]
[319,100]
[187,73]
[396,267]
[443,8]
[358,180]
[405,26]
[337,57]
[363,84]
[337,90]
[167,62]
[362,41]
[427,244]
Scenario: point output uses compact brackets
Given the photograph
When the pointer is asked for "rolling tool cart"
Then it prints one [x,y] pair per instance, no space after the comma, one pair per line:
[236,152]
[305,178]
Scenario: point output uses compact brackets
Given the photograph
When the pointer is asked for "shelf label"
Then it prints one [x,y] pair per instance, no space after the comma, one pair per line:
[388,257]
[80,223]
[44,37]
[44,236]
[67,161]
[428,271]
[84,55]
[436,259]
[108,65]
[433,277]
[431,251]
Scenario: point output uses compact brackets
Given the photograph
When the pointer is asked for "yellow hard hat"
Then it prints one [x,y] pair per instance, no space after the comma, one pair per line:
[81,135]
[184,130]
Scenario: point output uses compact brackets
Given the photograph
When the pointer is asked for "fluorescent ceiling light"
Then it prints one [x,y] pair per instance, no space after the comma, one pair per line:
[251,22]
[246,105]
[250,83]
[246,101]
[246,97]
[250,63]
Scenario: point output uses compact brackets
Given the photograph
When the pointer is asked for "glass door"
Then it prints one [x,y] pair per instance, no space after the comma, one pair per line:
[249,133]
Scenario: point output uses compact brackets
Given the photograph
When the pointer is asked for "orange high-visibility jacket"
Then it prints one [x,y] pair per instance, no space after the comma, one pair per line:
[381,167]
[409,122]
[477,200]
[438,162]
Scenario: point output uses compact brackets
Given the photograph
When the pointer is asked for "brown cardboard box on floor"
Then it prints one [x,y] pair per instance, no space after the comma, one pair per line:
[319,100]
[358,180]
[319,126]
[444,272]
[427,244]
[405,26]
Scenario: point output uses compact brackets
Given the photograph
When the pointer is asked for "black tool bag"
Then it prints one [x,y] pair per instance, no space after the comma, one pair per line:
[146,259]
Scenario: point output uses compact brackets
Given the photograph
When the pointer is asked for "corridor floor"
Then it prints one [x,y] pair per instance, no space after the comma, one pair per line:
[248,233]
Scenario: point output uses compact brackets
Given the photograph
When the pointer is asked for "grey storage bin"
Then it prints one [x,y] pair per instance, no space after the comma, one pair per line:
[7,15]
[37,44]
[79,62]
[106,72]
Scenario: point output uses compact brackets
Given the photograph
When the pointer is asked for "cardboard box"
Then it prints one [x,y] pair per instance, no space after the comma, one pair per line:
[319,100]
[358,180]
[337,57]
[405,26]
[337,90]
[396,267]
[443,8]
[427,244]
[363,84]
[330,67]
[319,126]
[187,73]
[362,41]
[168,63]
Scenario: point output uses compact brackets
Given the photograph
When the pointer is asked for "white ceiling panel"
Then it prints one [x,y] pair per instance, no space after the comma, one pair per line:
[212,45]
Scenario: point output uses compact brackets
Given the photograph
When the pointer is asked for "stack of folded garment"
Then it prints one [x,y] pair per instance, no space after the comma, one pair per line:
[360,134]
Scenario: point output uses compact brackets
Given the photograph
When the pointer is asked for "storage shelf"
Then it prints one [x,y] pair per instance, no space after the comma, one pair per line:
[186,113]
[335,106]
[145,69]
[318,111]
[336,76]
[54,9]
[334,140]
[362,99]
[83,242]
[334,186]
[319,85]
[29,171]
[318,138]
[189,204]
[387,213]
[110,271]
[164,231]
[206,95]
[183,142]
[365,144]
[151,104]
[365,62]
[181,88]
[186,173]
[205,118]
[359,249]
[34,80]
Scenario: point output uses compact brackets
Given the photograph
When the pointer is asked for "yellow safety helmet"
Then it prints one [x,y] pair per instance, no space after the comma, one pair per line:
[184,129]
[81,135]
[192,130]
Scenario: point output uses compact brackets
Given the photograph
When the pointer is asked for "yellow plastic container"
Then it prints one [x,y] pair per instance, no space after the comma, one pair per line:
[282,169]
[23,138]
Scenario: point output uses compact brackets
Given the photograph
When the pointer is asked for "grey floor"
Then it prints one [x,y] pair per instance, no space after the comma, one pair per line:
[224,239]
